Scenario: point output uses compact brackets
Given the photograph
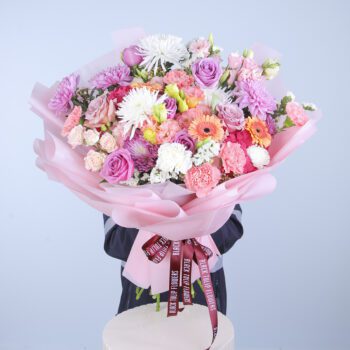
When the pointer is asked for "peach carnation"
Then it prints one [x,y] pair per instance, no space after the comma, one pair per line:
[178,77]
[202,179]
[167,131]
[194,95]
[233,158]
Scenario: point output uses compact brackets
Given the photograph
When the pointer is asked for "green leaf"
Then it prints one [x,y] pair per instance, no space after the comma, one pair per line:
[288,123]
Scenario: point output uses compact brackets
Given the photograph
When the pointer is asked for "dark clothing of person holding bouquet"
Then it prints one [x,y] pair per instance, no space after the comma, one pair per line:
[118,243]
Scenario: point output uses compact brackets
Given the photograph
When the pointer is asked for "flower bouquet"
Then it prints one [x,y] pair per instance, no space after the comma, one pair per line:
[168,141]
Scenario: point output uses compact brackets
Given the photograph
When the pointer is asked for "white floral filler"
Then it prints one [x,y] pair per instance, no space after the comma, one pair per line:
[206,152]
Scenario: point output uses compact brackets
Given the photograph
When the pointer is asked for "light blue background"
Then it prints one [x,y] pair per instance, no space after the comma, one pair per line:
[288,278]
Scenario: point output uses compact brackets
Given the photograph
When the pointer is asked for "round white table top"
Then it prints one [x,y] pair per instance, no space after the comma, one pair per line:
[144,328]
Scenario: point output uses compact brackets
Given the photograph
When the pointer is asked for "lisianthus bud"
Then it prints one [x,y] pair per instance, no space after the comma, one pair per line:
[172,90]
[248,53]
[271,68]
[160,112]
[224,77]
[182,105]
[131,56]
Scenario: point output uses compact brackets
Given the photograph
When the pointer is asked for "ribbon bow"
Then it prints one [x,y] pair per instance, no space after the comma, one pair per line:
[183,253]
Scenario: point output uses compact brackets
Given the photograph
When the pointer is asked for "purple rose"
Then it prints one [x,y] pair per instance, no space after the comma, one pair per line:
[118,166]
[232,115]
[171,106]
[206,71]
[186,140]
[131,56]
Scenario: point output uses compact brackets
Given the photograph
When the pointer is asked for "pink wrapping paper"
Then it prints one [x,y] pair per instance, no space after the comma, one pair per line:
[166,209]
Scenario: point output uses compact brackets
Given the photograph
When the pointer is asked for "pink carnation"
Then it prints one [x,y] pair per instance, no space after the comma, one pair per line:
[249,70]
[72,120]
[297,113]
[167,131]
[178,77]
[233,158]
[202,179]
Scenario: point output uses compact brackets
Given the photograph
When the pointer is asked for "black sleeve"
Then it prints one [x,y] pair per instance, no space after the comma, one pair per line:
[230,232]
[118,239]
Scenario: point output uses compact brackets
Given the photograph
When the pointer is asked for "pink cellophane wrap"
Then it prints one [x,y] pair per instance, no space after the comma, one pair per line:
[166,209]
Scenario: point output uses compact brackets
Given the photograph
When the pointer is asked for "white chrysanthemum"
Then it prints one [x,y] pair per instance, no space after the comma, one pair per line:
[137,107]
[259,156]
[173,157]
[216,96]
[206,152]
[159,49]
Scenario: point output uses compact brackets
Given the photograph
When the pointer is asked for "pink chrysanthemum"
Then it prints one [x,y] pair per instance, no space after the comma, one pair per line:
[142,152]
[253,94]
[61,102]
[119,74]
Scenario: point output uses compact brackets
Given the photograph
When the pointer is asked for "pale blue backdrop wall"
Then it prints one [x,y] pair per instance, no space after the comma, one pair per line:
[288,279]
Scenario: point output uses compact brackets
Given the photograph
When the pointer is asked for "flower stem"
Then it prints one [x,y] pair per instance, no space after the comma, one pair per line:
[200,285]
[139,292]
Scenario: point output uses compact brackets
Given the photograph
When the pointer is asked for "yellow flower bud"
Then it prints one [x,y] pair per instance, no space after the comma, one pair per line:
[150,135]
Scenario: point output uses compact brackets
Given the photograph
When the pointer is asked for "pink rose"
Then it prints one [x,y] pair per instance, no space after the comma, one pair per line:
[118,166]
[72,120]
[297,113]
[100,112]
[233,158]
[202,179]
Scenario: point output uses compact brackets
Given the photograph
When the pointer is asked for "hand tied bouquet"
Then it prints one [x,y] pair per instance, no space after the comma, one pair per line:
[171,138]
[175,112]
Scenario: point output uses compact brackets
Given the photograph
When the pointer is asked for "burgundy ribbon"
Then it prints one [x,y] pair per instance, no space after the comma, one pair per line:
[183,253]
